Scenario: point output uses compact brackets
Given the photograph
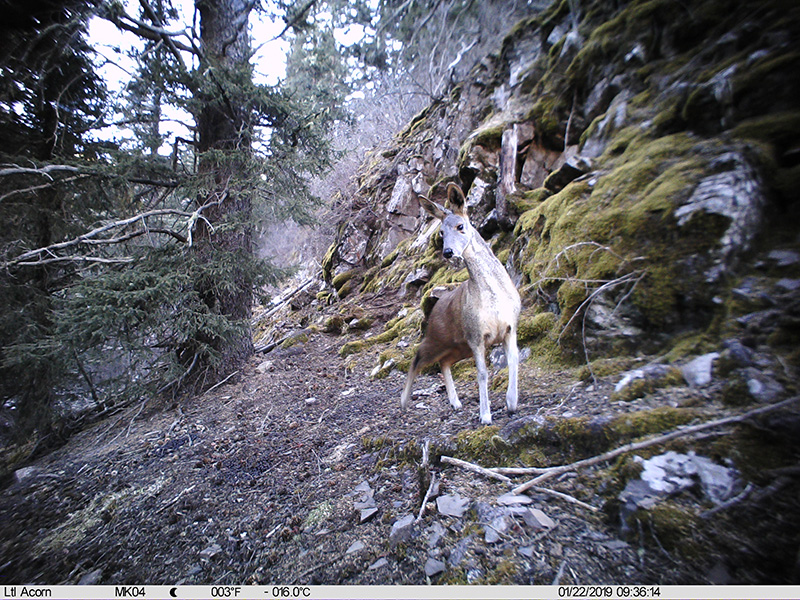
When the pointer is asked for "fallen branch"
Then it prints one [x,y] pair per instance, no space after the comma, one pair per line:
[219,383]
[659,439]
[282,301]
[521,470]
[494,474]
[426,498]
[728,503]
[475,468]
[563,496]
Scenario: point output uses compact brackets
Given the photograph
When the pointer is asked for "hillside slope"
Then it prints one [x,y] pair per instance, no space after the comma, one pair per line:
[635,168]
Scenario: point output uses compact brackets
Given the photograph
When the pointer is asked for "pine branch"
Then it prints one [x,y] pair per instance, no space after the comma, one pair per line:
[35,256]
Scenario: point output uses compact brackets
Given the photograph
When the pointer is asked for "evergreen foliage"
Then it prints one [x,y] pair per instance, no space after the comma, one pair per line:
[129,272]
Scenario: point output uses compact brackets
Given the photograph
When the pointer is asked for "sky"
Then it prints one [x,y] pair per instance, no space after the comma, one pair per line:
[116,67]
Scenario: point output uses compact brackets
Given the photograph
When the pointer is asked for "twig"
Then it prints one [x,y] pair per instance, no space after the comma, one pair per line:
[426,498]
[564,496]
[521,470]
[141,408]
[176,498]
[474,468]
[659,439]
[216,385]
[281,302]
[728,503]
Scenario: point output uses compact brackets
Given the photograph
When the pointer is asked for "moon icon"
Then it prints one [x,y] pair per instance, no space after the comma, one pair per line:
[173,592]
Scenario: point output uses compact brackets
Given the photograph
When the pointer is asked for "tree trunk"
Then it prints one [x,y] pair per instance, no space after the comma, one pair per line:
[223,143]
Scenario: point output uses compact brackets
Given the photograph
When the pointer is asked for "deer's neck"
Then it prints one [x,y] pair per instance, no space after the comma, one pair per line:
[487,275]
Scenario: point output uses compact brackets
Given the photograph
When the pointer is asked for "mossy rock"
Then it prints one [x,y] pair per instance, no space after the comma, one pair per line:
[396,328]
[639,388]
[605,367]
[333,324]
[296,339]
[629,426]
[484,446]
[533,328]
[670,527]
[341,279]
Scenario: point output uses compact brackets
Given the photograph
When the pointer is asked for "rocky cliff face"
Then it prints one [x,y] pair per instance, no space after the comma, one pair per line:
[627,163]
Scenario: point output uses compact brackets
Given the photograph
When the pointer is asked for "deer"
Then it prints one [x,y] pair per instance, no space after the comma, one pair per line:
[480,313]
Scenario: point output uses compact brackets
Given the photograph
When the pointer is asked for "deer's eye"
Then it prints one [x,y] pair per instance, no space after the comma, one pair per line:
[460,227]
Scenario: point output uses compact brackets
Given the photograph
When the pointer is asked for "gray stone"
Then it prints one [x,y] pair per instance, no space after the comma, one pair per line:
[355,547]
[91,578]
[762,386]
[210,552]
[434,567]
[655,371]
[697,372]
[514,499]
[367,513]
[536,519]
[738,352]
[784,258]
[459,552]
[671,473]
[788,285]
[25,474]
[401,530]
[452,505]
[381,562]
[734,191]
[493,532]
[516,429]
[436,533]
[526,551]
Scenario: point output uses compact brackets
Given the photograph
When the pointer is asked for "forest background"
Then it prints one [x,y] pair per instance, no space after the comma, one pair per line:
[142,220]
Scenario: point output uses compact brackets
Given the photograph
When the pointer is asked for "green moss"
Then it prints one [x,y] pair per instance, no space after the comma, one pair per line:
[670,527]
[779,127]
[464,370]
[484,446]
[333,324]
[401,326]
[295,340]
[605,367]
[533,328]
[317,516]
[328,260]
[640,388]
[647,422]
[528,200]
[503,574]
[500,380]
[754,76]
[342,278]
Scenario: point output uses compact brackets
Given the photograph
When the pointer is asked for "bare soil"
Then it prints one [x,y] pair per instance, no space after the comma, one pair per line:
[254,482]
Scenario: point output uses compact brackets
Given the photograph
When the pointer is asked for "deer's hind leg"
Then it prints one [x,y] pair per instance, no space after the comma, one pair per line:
[450,386]
[512,358]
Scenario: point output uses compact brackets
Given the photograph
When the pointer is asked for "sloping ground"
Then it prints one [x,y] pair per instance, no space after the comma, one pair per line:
[258,480]
[652,224]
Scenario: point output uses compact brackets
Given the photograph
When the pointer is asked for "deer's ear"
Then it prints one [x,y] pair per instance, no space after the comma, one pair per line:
[437,210]
[456,199]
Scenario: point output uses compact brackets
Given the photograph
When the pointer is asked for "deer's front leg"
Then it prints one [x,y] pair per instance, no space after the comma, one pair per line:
[483,385]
